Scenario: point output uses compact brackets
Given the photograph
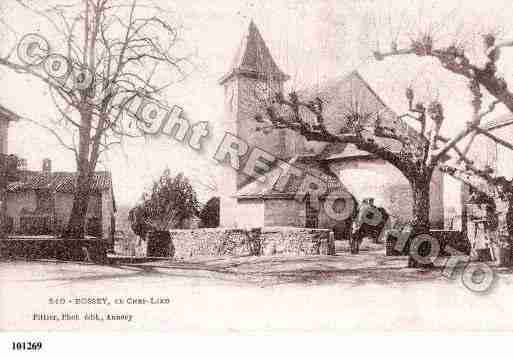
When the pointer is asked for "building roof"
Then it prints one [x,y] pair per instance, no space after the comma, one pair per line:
[307,164]
[8,115]
[63,182]
[344,95]
[253,58]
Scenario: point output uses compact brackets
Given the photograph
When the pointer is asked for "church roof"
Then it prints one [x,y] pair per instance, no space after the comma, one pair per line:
[350,93]
[307,164]
[253,58]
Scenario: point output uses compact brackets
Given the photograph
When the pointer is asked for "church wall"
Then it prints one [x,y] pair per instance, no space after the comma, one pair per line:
[228,207]
[284,212]
[228,211]
[250,213]
[389,188]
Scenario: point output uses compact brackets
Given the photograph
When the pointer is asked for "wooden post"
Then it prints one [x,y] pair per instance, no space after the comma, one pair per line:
[3,196]
[464,215]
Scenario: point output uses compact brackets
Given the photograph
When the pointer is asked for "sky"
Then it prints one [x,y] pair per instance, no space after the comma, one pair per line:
[312,41]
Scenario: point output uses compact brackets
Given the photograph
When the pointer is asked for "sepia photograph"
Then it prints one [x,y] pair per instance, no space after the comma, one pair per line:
[285,166]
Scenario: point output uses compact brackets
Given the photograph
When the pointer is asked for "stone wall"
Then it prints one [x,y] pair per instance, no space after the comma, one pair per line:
[46,247]
[289,241]
[269,241]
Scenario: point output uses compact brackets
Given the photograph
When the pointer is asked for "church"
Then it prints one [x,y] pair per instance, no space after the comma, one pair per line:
[247,202]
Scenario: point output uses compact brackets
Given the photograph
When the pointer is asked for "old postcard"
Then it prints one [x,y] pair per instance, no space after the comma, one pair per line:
[256,166]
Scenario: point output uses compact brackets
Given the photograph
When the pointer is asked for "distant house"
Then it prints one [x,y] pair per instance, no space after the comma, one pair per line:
[487,153]
[40,203]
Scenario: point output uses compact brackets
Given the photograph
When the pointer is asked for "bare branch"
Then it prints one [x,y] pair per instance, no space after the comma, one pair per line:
[495,138]
[54,133]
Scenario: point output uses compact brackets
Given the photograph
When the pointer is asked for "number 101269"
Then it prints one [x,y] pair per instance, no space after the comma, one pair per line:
[22,346]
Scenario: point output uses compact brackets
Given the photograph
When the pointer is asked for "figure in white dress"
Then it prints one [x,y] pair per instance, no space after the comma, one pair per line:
[483,231]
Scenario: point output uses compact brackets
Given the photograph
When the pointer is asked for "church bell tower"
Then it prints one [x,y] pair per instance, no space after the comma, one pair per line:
[253,76]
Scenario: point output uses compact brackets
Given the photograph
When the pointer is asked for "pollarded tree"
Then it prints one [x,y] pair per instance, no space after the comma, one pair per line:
[490,187]
[106,56]
[484,78]
[421,151]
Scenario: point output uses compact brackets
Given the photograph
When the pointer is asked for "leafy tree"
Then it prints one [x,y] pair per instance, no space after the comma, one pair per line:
[209,214]
[138,222]
[171,201]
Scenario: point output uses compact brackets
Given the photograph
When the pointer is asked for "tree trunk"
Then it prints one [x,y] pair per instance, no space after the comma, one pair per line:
[77,218]
[420,219]
[3,197]
[509,220]
[76,224]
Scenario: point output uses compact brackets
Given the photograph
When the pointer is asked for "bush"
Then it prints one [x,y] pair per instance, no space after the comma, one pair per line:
[209,214]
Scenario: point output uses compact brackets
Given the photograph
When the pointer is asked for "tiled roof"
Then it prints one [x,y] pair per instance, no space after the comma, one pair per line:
[254,58]
[59,182]
[308,164]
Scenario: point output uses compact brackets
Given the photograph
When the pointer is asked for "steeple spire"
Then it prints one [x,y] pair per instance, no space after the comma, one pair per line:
[254,59]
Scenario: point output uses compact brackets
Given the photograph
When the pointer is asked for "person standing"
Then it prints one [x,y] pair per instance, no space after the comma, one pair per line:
[485,224]
[369,223]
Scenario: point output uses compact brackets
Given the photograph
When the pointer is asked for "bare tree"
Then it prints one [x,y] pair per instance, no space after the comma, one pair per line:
[118,52]
[491,187]
[484,79]
[421,152]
